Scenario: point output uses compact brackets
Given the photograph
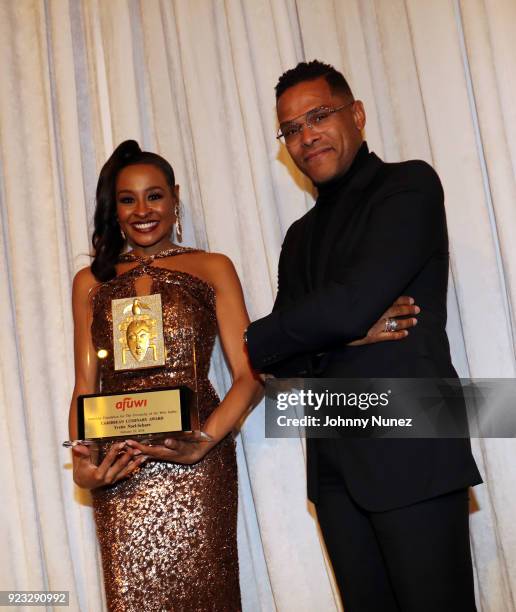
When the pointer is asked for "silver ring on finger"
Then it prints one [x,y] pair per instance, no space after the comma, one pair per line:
[391,325]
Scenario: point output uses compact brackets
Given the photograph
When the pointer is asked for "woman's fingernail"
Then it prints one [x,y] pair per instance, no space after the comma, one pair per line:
[417,309]
[414,321]
[411,300]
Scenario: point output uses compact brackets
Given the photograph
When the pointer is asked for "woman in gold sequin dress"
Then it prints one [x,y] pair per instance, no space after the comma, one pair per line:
[166,515]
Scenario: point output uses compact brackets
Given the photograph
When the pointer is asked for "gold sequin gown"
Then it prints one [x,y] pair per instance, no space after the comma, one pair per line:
[168,532]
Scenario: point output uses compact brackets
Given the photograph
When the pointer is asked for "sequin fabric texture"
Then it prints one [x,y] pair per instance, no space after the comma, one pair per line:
[168,533]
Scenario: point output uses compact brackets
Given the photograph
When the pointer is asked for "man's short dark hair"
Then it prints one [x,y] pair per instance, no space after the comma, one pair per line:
[309,71]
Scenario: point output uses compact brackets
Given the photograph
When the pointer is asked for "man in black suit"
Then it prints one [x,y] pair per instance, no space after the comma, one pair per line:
[394,513]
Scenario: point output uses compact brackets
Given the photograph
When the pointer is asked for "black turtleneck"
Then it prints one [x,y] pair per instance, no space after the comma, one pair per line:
[327,198]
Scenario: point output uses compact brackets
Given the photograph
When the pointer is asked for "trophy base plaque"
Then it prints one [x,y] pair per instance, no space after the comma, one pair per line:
[148,416]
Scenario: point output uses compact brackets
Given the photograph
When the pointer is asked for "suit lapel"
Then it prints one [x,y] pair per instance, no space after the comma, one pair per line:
[307,255]
[296,280]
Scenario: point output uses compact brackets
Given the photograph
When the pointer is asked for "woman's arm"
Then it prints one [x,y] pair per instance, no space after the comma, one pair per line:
[114,466]
[85,360]
[246,388]
[232,318]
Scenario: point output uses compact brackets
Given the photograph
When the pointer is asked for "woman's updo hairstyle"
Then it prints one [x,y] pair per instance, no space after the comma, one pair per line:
[107,239]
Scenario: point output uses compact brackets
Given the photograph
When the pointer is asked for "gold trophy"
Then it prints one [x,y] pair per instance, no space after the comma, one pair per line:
[151,415]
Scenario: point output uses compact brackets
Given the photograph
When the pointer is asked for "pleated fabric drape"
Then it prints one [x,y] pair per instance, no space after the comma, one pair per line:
[193,80]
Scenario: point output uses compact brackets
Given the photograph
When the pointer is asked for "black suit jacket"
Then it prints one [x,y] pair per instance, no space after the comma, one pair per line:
[387,237]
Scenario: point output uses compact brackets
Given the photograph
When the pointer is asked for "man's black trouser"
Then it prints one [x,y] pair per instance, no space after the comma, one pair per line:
[412,559]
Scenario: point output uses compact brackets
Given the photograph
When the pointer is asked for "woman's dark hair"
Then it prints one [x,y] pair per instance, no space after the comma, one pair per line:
[107,237]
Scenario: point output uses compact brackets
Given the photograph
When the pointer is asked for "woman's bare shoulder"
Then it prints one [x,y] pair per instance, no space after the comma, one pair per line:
[219,270]
[84,281]
[216,263]
[214,268]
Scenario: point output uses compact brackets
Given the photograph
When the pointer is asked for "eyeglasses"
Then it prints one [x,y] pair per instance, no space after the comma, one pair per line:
[315,118]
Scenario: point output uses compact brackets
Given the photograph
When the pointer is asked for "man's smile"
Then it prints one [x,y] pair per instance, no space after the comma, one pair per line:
[316,155]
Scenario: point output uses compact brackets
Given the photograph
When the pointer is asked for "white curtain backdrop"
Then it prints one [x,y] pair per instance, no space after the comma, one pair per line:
[193,80]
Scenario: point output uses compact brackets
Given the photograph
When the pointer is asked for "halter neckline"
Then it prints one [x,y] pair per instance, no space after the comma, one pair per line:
[147,259]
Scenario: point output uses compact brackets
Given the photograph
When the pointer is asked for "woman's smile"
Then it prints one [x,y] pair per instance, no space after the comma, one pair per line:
[145,227]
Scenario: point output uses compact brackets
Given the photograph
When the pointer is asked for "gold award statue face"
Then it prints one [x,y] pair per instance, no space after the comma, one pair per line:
[138,332]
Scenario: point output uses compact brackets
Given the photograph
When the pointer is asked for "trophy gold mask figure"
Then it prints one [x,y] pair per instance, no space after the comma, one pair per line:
[139,332]
[138,324]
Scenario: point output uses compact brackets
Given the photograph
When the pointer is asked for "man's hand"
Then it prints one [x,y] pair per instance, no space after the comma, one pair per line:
[401,310]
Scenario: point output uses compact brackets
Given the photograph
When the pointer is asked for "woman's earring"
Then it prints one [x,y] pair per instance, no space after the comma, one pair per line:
[177,225]
[123,235]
